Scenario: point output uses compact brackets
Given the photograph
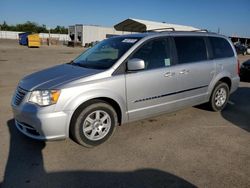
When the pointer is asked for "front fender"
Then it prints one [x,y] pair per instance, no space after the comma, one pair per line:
[77,100]
[71,105]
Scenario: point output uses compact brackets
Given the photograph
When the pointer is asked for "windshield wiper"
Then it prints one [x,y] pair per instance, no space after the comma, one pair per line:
[88,66]
[79,65]
[71,62]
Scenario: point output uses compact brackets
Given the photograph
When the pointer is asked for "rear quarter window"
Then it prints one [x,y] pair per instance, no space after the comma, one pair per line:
[221,47]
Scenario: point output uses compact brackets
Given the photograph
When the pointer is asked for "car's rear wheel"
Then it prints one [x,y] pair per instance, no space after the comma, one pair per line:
[94,124]
[219,97]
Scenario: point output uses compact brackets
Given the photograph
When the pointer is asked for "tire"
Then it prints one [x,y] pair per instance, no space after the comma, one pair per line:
[94,124]
[219,97]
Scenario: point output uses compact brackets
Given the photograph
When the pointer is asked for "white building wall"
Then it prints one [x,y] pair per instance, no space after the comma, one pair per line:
[61,37]
[9,34]
[14,35]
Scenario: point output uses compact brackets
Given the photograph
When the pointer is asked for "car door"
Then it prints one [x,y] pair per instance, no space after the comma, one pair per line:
[152,90]
[196,68]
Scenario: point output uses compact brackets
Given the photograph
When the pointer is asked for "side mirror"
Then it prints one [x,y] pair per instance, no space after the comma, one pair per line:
[135,64]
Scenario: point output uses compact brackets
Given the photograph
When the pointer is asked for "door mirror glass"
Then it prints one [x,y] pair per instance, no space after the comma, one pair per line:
[135,64]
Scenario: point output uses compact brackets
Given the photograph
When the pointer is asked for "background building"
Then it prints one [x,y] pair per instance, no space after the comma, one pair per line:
[85,34]
[137,25]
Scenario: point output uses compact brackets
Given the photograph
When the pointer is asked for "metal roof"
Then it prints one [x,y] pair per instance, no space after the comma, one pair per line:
[137,25]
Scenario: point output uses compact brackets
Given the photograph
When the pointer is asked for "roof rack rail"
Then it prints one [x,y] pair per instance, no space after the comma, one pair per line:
[198,30]
[160,29]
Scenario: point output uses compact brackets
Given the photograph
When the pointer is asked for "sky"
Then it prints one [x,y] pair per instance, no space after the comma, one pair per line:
[231,17]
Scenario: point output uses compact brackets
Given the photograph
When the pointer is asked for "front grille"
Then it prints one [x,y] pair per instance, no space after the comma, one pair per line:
[20,94]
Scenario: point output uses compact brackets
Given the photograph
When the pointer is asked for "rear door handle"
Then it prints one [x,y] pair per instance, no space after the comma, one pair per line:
[184,71]
[169,74]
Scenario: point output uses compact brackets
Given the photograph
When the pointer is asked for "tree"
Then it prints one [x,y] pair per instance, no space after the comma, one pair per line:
[4,26]
[59,29]
[32,27]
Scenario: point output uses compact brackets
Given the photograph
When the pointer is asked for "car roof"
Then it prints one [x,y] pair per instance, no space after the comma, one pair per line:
[173,33]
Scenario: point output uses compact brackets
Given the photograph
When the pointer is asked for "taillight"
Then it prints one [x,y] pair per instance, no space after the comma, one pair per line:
[238,67]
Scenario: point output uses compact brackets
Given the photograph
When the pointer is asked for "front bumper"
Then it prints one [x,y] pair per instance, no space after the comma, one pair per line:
[39,124]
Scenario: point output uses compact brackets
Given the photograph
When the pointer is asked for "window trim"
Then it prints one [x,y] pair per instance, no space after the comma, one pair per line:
[209,48]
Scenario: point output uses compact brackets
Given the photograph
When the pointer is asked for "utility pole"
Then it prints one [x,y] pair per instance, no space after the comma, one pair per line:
[49,36]
[218,30]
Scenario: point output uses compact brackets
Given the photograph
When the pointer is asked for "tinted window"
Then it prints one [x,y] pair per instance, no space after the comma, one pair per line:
[190,49]
[155,54]
[221,48]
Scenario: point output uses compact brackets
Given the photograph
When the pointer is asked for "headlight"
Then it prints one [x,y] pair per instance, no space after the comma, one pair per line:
[45,97]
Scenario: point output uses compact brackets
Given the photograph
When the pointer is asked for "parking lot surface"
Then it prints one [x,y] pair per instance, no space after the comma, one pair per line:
[193,147]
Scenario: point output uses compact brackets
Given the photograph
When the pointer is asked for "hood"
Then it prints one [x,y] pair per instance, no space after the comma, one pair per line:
[55,77]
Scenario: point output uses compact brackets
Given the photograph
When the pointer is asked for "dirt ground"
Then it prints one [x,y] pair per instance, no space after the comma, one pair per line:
[189,148]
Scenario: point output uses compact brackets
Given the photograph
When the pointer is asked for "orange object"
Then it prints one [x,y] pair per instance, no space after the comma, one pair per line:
[34,40]
[55,95]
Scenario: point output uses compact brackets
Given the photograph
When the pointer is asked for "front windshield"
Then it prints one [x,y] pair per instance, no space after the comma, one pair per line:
[104,54]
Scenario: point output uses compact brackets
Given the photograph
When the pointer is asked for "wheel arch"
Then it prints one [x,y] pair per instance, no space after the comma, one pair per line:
[222,77]
[86,103]
[212,104]
[226,80]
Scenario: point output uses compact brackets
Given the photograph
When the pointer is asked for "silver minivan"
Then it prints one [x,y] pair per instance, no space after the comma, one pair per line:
[123,79]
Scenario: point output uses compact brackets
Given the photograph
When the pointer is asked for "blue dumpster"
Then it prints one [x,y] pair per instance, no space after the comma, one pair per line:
[23,38]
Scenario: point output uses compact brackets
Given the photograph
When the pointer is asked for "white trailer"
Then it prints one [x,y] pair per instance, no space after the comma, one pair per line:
[84,34]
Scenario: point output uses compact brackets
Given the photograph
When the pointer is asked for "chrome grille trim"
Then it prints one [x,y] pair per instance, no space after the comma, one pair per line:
[19,95]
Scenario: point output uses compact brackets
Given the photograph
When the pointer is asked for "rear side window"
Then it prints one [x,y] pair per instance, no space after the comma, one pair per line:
[190,49]
[221,47]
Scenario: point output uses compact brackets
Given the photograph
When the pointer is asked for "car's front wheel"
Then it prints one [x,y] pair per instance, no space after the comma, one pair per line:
[94,124]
